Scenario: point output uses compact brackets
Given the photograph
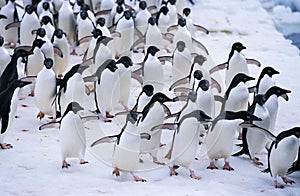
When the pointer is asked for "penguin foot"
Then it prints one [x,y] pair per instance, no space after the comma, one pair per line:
[5,146]
[278,185]
[161,145]
[116,172]
[65,164]
[159,163]
[287,180]
[74,52]
[108,115]
[138,179]
[257,162]
[60,75]
[31,94]
[40,115]
[212,166]
[173,172]
[83,162]
[227,167]
[192,175]
[24,105]
[106,120]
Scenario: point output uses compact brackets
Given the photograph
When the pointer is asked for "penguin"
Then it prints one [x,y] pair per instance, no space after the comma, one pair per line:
[153,72]
[8,108]
[163,19]
[125,26]
[237,63]
[45,90]
[265,80]
[124,70]
[29,22]
[219,140]
[153,35]
[11,15]
[185,141]
[46,11]
[71,87]
[72,135]
[107,5]
[5,57]
[47,47]
[283,151]
[153,114]
[59,40]
[141,18]
[143,98]
[40,7]
[48,26]
[172,12]
[193,28]
[125,156]
[101,24]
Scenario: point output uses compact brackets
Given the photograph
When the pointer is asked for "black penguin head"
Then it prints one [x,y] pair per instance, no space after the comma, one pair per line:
[73,106]
[80,2]
[192,95]
[180,46]
[96,33]
[181,22]
[1,40]
[296,131]
[164,10]
[126,61]
[127,14]
[101,21]
[152,20]
[48,63]
[237,46]
[120,2]
[84,7]
[241,77]
[59,33]
[260,99]
[198,74]
[83,14]
[172,2]
[143,5]
[244,115]
[160,97]
[199,59]
[275,90]
[203,84]
[148,89]
[186,11]
[119,9]
[45,20]
[41,32]
[270,71]
[203,117]
[38,43]
[29,9]
[152,50]
[46,5]
[112,66]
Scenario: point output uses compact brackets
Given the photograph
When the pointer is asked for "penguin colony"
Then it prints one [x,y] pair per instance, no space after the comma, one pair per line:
[38,37]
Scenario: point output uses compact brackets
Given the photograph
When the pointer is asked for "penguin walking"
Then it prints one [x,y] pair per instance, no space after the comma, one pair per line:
[45,90]
[127,147]
[219,140]
[283,152]
[72,135]
[8,108]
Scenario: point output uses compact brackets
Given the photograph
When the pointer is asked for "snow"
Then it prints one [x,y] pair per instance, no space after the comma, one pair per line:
[33,166]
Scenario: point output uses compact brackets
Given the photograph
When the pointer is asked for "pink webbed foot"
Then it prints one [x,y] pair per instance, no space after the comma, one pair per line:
[212,166]
[108,115]
[287,180]
[83,162]
[278,185]
[173,172]
[5,146]
[65,164]
[40,115]
[257,162]
[116,172]
[138,179]
[192,175]
[227,167]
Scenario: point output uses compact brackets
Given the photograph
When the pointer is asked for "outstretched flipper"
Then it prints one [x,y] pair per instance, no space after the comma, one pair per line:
[201,28]
[184,80]
[107,139]
[253,61]
[218,67]
[200,45]
[12,25]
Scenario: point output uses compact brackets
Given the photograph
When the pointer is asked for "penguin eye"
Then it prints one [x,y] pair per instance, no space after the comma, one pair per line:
[248,117]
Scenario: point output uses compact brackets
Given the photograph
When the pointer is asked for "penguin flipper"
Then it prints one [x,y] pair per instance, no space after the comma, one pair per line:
[152,7]
[85,39]
[58,51]
[12,25]
[137,42]
[90,78]
[48,125]
[138,33]
[89,118]
[182,90]
[268,134]
[200,45]
[165,58]
[169,126]
[116,34]
[179,82]
[2,16]
[216,85]
[168,36]
[218,67]
[146,136]
[201,28]
[253,61]
[102,12]
[137,77]
[107,139]
[172,28]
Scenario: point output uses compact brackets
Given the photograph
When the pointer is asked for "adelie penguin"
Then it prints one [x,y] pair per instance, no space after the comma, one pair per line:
[282,153]
[8,108]
[125,156]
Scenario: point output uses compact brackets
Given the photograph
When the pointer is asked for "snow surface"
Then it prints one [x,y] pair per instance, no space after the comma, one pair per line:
[33,166]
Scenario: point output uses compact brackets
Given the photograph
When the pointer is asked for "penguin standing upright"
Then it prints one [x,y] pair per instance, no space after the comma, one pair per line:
[72,135]
[5,57]
[48,26]
[265,80]
[8,108]
[45,90]
[46,11]
[126,150]
[163,19]
[153,35]
[142,16]
[47,47]
[219,140]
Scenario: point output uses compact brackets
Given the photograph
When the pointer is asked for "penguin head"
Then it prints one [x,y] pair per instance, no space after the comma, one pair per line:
[45,20]
[203,117]
[119,2]
[29,9]
[275,90]
[160,97]
[172,2]
[48,63]
[296,131]
[38,43]
[199,59]
[244,115]
[59,33]
[101,21]
[143,5]
[126,61]
[41,32]
[112,66]
[127,14]
[46,5]
[96,33]
[180,46]
[73,106]
[164,10]
[238,46]
[260,99]
[152,50]
[203,84]
[84,7]
[198,74]
[181,22]
[1,40]
[186,11]
[148,89]
[152,21]
[192,95]
[119,9]
[270,71]
[83,14]
[80,2]
[241,77]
